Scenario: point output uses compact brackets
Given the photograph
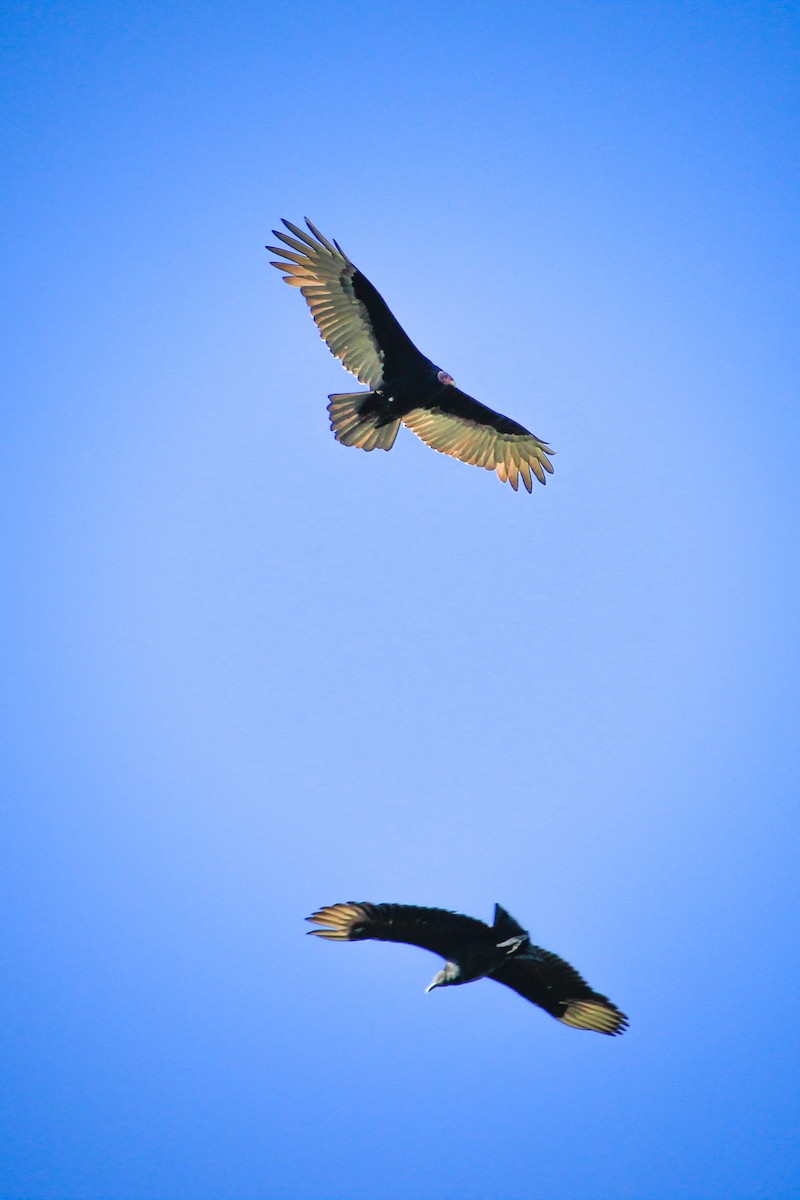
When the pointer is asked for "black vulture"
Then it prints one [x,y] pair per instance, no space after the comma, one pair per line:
[405,386]
[474,950]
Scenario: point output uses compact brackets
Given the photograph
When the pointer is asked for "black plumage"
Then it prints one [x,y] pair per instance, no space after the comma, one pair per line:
[405,386]
[473,950]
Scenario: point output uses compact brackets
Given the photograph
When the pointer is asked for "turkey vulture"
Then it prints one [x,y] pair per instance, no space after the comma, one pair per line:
[405,385]
[472,950]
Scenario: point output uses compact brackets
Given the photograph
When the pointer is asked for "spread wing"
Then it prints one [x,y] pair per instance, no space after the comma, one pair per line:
[433,929]
[466,429]
[352,317]
[546,980]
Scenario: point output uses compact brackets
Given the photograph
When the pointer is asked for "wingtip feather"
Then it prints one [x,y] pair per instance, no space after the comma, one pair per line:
[596,1015]
[337,920]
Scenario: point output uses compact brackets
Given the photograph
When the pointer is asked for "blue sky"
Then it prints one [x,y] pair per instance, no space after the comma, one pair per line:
[251,672]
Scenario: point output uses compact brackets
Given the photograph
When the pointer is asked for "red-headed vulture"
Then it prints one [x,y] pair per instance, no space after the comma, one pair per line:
[358,327]
[473,950]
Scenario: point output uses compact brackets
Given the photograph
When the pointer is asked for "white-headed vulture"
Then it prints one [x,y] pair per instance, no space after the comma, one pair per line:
[359,329]
[473,950]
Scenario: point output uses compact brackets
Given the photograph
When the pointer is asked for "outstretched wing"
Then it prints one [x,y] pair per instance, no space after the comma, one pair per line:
[433,929]
[463,428]
[352,317]
[546,980]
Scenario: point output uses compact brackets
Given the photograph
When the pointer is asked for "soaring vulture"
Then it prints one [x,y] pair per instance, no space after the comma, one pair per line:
[473,950]
[404,385]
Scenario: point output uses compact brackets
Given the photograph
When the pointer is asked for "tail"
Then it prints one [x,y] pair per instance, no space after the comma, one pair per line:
[362,419]
[505,925]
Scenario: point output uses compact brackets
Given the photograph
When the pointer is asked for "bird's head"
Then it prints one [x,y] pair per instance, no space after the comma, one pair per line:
[449,973]
[443,377]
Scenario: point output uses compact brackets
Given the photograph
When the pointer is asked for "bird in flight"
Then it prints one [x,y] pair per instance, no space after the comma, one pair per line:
[473,950]
[355,322]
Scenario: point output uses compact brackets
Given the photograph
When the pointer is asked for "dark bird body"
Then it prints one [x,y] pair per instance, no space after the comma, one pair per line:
[473,950]
[357,325]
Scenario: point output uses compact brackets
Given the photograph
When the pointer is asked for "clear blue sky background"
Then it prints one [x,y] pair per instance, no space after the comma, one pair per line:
[250,672]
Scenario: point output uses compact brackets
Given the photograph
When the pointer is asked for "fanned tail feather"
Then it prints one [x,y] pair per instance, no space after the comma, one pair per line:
[361,419]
